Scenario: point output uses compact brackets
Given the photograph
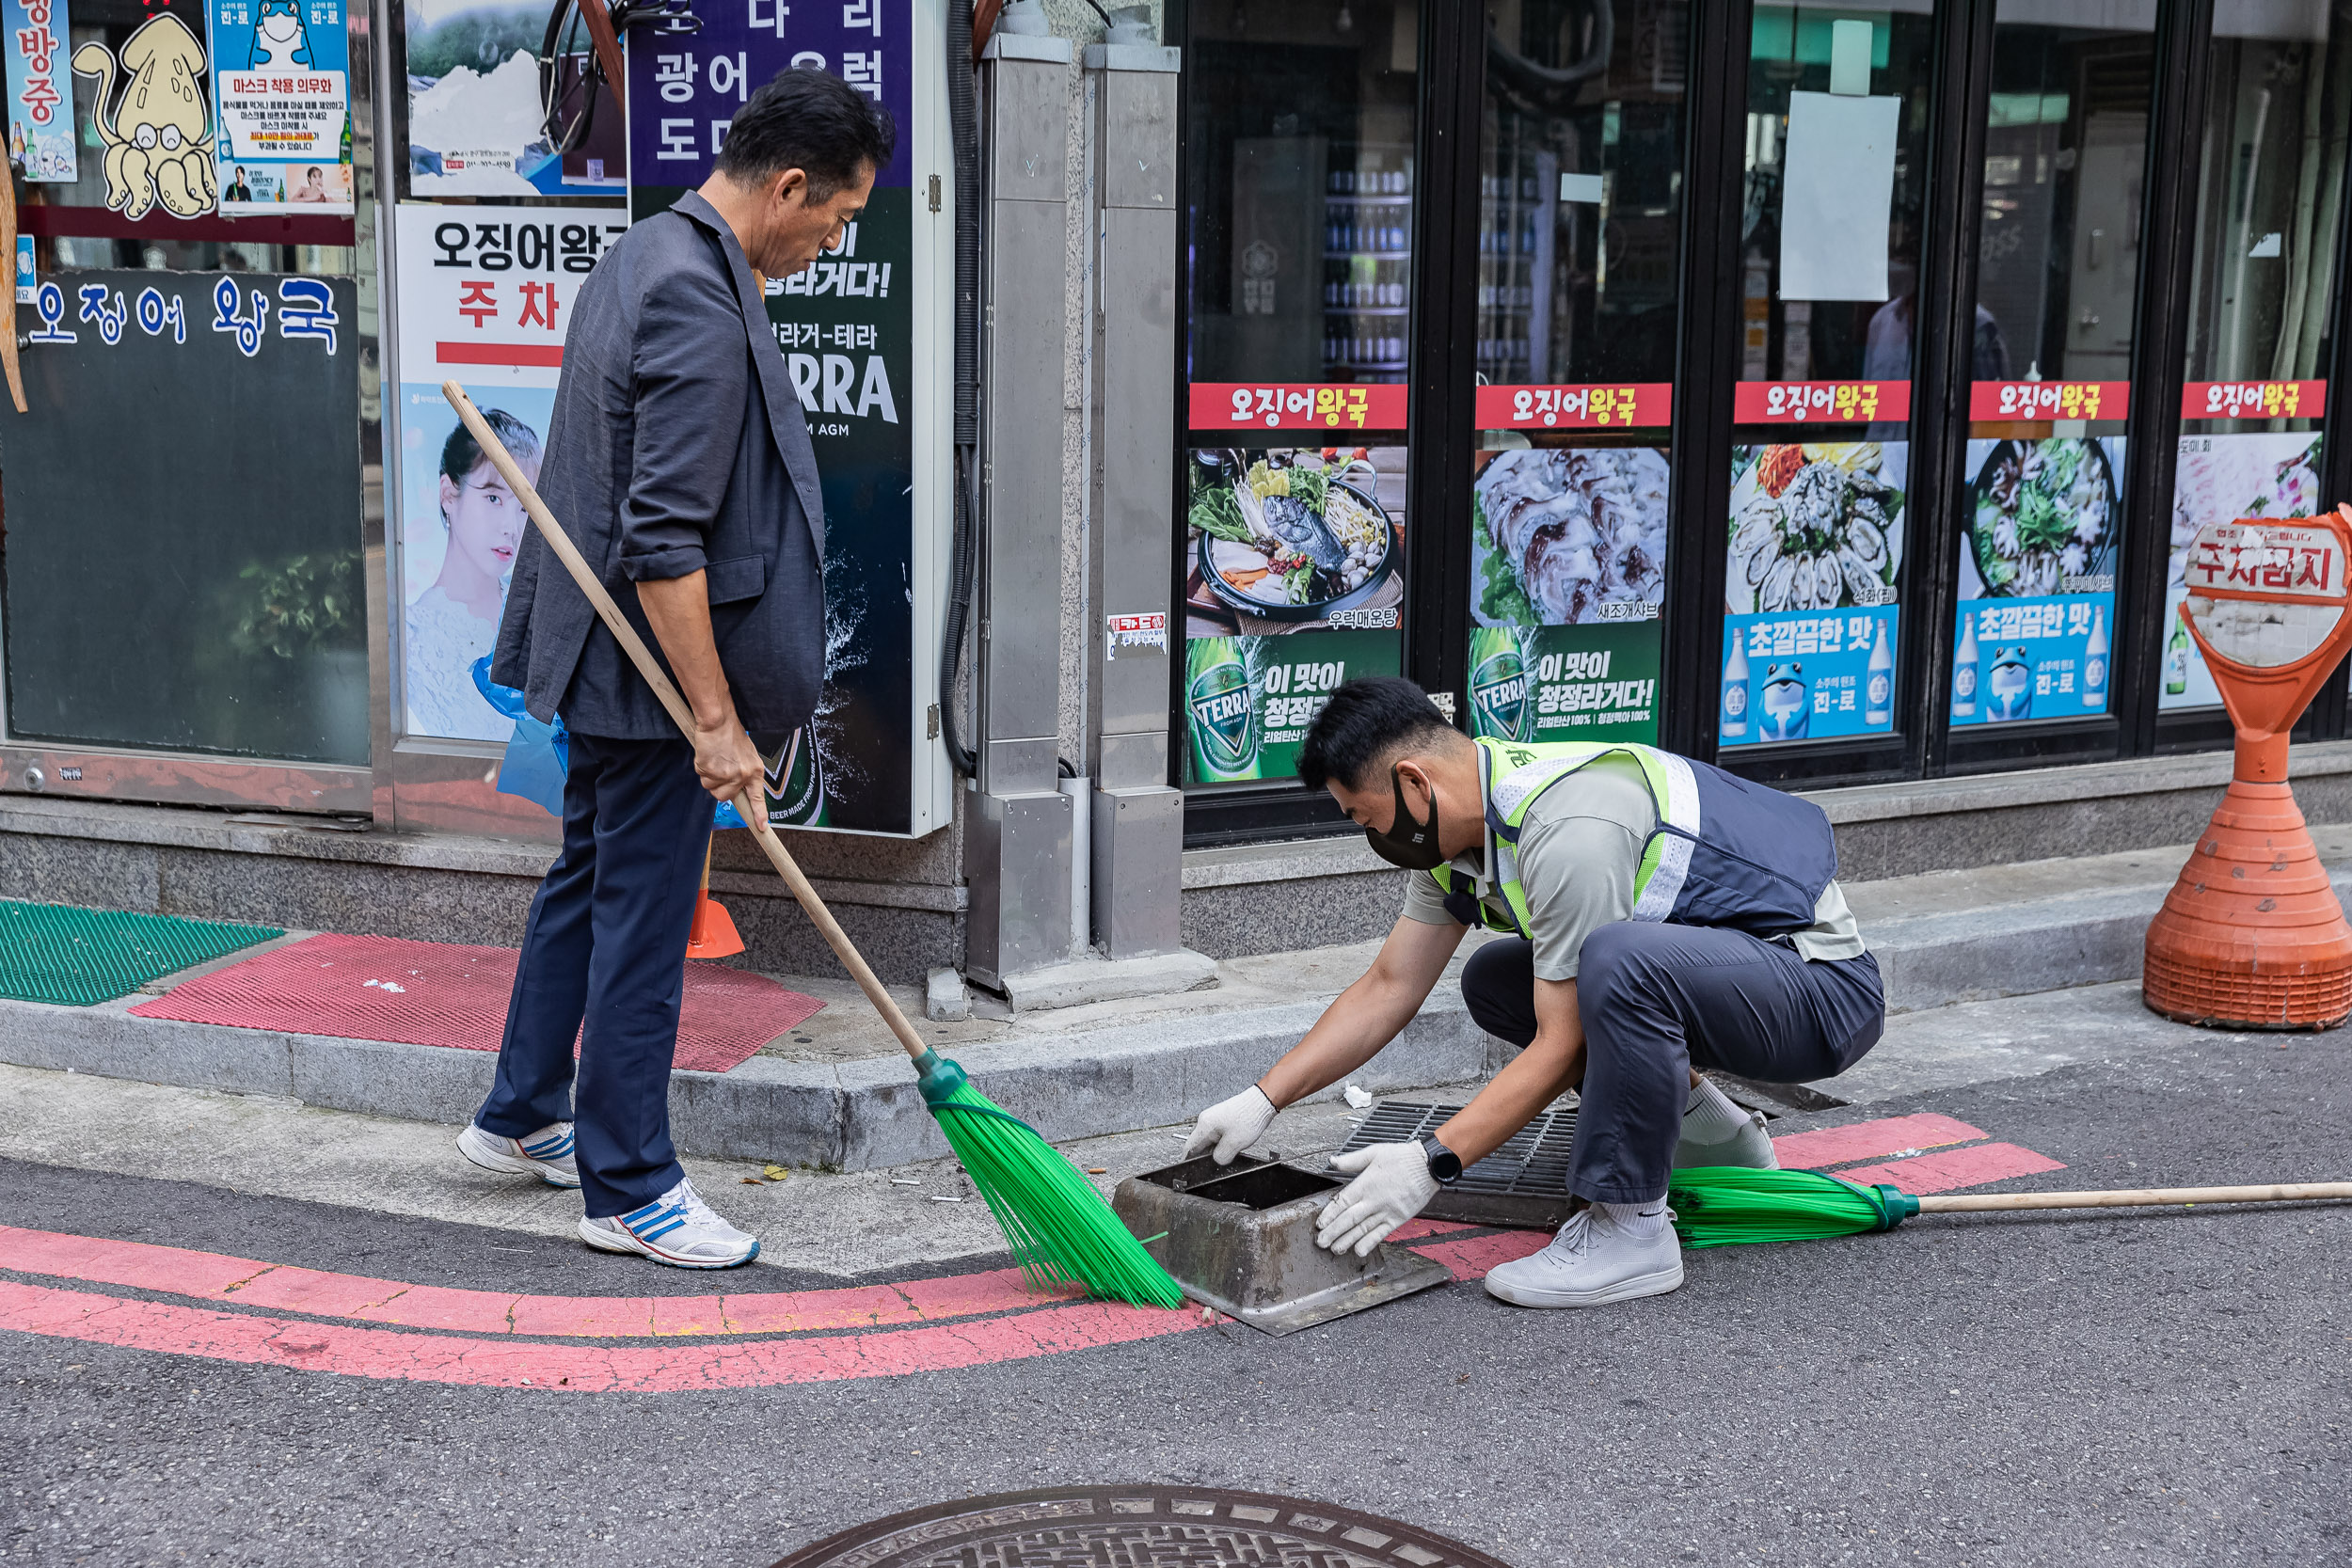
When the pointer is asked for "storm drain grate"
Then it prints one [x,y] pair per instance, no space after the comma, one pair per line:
[1522,1184]
[79,958]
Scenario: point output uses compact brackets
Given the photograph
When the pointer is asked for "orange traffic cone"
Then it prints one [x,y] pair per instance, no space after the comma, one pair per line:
[712,935]
[2252,936]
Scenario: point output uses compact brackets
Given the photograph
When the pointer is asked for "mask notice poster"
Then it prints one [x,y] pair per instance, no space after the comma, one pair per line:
[2219,479]
[1568,575]
[846,327]
[2035,624]
[280,80]
[485,293]
[1811,620]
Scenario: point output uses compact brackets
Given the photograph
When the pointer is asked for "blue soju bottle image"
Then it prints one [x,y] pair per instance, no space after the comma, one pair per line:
[1784,711]
[1734,717]
[2009,686]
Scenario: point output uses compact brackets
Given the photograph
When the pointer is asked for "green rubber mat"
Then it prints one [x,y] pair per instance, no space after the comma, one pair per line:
[78,958]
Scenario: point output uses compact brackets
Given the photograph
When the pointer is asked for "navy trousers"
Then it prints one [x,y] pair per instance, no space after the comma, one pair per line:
[1657,1000]
[607,945]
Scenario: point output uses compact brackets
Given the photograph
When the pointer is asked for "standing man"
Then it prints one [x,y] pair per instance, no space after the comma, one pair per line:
[1664,916]
[678,461]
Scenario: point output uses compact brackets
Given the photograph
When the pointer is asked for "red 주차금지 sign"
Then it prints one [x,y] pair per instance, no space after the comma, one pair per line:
[2294,559]
[1820,402]
[2049,399]
[1646,403]
[2253,400]
[1353,405]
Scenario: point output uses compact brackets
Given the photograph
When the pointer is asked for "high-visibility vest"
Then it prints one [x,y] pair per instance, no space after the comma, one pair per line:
[1725,852]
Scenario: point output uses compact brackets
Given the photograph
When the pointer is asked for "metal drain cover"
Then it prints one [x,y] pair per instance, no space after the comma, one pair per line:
[1130,1527]
[1524,1184]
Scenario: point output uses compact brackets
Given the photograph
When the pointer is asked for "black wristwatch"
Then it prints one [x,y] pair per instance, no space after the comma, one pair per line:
[1444,1163]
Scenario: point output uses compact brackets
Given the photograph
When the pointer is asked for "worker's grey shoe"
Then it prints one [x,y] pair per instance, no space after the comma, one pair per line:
[546,1154]
[1751,1145]
[678,1229]
[1590,1262]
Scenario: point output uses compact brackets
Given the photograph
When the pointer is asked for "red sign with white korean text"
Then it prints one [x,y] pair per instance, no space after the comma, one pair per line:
[2049,399]
[2270,561]
[2253,400]
[1622,407]
[1820,402]
[1239,404]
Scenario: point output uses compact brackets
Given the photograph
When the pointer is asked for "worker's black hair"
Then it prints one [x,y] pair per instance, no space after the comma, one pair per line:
[1368,721]
[811,122]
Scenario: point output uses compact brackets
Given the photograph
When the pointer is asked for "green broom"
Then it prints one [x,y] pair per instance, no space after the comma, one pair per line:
[1726,1206]
[1057,1225]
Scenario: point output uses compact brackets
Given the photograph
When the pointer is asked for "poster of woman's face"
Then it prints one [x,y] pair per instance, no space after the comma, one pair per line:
[460,528]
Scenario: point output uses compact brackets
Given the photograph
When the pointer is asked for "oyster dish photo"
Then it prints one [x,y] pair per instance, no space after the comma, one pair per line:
[1816,525]
[1566,536]
[2043,518]
[1288,536]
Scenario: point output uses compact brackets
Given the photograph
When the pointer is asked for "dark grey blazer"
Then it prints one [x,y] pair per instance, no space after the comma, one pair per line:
[676,445]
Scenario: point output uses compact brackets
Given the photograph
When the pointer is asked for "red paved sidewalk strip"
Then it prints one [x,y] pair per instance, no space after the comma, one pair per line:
[1869,1140]
[1470,1258]
[1948,1169]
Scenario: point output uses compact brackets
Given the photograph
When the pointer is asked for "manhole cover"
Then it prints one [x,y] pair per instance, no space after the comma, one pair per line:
[1136,1526]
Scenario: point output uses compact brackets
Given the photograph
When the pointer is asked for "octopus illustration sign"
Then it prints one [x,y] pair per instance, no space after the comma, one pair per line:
[158,133]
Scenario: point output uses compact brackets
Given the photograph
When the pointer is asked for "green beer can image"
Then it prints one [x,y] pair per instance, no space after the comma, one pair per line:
[1222,706]
[1498,685]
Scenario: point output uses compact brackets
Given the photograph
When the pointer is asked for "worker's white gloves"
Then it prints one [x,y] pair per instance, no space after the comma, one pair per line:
[1232,1125]
[1392,1183]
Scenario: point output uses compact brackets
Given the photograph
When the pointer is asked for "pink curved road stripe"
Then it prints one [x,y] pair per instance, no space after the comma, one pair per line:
[177,1271]
[354,1352]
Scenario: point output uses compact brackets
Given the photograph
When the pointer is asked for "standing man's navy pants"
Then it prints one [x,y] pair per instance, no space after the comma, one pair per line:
[607,945]
[1657,999]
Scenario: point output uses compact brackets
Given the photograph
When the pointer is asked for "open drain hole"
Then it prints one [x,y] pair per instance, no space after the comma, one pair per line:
[1267,1187]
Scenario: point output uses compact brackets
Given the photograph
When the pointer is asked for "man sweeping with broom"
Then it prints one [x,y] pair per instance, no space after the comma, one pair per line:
[1663,916]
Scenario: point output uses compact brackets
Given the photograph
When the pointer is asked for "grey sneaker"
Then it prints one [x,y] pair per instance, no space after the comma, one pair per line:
[1750,1146]
[546,1154]
[1589,1264]
[676,1228]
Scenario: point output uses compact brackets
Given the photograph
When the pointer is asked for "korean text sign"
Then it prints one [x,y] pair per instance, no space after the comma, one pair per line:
[281,90]
[41,88]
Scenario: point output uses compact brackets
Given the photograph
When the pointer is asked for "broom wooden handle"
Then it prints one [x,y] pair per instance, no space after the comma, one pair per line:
[2133,1197]
[752,810]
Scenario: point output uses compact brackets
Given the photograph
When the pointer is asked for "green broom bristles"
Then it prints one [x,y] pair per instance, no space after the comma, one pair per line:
[1058,1226]
[1728,1205]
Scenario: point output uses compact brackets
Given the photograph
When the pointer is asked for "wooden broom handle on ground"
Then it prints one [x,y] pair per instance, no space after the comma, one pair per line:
[752,810]
[2134,1197]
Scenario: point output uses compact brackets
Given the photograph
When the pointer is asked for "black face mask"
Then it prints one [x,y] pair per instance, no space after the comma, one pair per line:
[1409,844]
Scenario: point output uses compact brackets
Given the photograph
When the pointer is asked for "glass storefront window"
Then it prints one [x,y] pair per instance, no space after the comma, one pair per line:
[2058,250]
[1299,207]
[2269,193]
[1580,215]
[1835,173]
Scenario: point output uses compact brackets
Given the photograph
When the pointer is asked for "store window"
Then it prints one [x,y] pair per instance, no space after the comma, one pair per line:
[1300,201]
[1836,142]
[1581,217]
[2269,196]
[2042,515]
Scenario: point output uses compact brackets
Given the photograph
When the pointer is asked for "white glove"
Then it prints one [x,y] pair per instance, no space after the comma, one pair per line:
[1232,1125]
[1392,1183]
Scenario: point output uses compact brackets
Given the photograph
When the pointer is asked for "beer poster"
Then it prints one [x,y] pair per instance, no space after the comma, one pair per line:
[1248,699]
[1568,577]
[2036,615]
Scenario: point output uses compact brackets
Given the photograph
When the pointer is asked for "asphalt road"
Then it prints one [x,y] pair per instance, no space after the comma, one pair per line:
[2160,1388]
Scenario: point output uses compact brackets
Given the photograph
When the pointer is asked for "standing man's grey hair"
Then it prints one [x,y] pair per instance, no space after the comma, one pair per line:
[811,122]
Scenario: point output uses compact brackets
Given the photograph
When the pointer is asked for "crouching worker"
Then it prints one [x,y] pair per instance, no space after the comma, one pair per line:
[1663,916]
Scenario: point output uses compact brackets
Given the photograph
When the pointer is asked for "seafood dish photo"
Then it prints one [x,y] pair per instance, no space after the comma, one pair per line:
[1289,535]
[1816,525]
[2043,515]
[2245,474]
[1562,531]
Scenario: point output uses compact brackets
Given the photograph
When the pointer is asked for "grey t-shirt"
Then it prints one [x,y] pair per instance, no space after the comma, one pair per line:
[1579,849]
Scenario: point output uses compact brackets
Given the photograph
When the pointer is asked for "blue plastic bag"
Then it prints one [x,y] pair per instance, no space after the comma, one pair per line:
[539,756]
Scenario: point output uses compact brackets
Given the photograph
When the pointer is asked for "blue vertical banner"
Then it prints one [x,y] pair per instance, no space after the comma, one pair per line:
[41,88]
[2035,622]
[845,325]
[282,88]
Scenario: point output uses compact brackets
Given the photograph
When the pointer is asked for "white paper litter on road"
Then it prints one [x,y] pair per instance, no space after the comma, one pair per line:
[936,1198]
[1837,194]
[905,1181]
[1356,1097]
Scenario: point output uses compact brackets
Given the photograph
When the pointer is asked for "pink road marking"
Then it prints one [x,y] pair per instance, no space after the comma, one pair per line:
[247,1282]
[1413,1230]
[1951,1169]
[1470,1258]
[171,1329]
[1869,1140]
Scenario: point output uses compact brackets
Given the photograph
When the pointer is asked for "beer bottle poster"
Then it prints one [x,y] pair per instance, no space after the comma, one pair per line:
[2035,621]
[1568,575]
[1281,541]
[1810,618]
[2240,474]
[1248,699]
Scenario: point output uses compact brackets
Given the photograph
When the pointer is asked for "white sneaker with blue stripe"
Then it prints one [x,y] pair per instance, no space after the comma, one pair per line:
[676,1228]
[546,1154]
